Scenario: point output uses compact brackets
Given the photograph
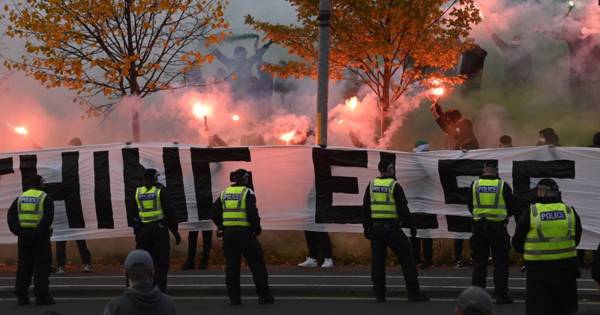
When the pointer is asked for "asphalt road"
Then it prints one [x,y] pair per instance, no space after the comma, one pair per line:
[286,305]
[298,291]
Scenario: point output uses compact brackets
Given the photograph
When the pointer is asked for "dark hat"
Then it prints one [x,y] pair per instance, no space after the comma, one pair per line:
[36,180]
[150,174]
[139,257]
[238,175]
[548,184]
[420,142]
[384,165]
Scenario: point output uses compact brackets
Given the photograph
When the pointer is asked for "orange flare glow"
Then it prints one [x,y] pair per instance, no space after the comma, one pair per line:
[287,137]
[200,110]
[352,103]
[439,91]
[235,117]
[20,130]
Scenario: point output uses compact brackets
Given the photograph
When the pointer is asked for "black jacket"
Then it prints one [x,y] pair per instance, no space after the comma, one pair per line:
[508,199]
[460,132]
[43,228]
[251,212]
[141,299]
[401,207]
[168,209]
[523,227]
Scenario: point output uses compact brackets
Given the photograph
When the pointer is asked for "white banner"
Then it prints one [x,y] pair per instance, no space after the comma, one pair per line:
[297,187]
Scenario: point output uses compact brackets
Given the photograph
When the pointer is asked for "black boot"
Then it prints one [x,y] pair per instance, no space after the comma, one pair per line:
[235,301]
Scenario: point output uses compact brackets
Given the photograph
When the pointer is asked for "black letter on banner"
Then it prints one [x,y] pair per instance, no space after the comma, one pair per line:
[523,171]
[133,174]
[449,170]
[174,179]
[326,184]
[68,190]
[201,157]
[6,166]
[102,195]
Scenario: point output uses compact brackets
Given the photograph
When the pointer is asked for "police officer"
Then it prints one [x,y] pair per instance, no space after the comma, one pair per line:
[236,217]
[491,204]
[29,218]
[385,209]
[548,234]
[157,217]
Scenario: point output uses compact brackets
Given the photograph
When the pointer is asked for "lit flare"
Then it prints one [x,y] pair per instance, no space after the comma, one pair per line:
[288,136]
[200,110]
[438,91]
[20,130]
[352,103]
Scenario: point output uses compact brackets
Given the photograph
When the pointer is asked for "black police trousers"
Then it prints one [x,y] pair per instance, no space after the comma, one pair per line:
[384,235]
[61,253]
[490,236]
[193,243]
[35,259]
[238,241]
[154,238]
[551,292]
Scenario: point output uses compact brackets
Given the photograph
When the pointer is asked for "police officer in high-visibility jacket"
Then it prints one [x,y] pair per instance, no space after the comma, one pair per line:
[548,234]
[29,218]
[491,204]
[236,217]
[157,218]
[385,210]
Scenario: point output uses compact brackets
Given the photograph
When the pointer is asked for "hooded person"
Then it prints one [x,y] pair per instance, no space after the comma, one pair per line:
[141,297]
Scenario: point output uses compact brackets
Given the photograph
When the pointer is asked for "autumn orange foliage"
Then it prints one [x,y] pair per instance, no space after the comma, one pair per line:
[390,46]
[107,49]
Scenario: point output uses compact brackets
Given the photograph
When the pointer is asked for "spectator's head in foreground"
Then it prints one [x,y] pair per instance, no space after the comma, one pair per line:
[474,301]
[505,142]
[139,268]
[141,297]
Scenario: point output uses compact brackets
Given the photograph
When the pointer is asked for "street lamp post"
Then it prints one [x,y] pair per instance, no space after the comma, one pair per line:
[323,78]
